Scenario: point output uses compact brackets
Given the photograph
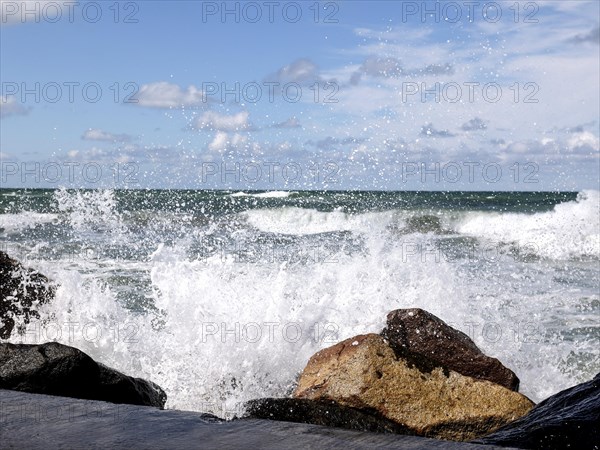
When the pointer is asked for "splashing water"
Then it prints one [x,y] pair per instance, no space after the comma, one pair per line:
[222,299]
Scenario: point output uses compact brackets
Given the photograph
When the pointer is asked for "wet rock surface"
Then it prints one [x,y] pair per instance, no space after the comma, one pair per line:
[414,332]
[21,290]
[34,421]
[364,372]
[325,412]
[58,369]
[569,419]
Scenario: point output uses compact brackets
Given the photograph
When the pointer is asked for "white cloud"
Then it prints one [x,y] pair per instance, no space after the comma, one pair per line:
[584,139]
[95,134]
[238,140]
[10,107]
[301,71]
[554,76]
[547,141]
[212,120]
[167,95]
[219,142]
[124,159]
[122,154]
[222,141]
[90,154]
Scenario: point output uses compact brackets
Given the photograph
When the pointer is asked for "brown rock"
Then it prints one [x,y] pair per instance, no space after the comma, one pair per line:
[363,372]
[415,331]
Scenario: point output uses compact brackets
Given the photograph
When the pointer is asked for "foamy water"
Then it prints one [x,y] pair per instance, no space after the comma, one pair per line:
[570,230]
[14,222]
[270,194]
[222,308]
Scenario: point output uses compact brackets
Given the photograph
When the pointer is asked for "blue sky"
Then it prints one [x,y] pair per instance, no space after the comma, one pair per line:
[353,95]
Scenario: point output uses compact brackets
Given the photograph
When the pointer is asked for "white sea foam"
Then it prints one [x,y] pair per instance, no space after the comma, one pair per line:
[86,209]
[273,194]
[227,332]
[269,194]
[301,221]
[14,222]
[571,229]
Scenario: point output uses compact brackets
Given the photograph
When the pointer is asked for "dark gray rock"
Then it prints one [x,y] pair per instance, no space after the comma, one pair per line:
[327,413]
[427,341]
[21,289]
[33,421]
[423,224]
[569,419]
[58,369]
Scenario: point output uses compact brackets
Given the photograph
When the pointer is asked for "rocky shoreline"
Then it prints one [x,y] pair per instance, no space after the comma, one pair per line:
[421,382]
[418,379]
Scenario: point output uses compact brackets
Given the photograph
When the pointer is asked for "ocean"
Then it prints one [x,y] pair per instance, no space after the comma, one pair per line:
[222,296]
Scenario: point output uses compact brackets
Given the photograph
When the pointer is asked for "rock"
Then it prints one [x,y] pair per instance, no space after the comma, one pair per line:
[415,331]
[57,369]
[423,224]
[21,289]
[321,412]
[34,421]
[364,373]
[569,419]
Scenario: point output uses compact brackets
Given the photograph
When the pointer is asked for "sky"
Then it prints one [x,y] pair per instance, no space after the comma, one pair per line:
[389,95]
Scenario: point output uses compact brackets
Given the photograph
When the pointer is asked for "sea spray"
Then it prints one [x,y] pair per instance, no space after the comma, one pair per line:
[222,299]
